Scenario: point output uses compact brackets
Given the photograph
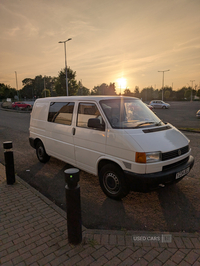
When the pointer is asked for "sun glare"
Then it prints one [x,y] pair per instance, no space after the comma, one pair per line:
[121,82]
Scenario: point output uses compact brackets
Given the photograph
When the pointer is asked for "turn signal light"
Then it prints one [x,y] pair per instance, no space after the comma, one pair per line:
[140,157]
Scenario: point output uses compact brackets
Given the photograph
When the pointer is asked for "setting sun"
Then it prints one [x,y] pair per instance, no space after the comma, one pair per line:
[121,83]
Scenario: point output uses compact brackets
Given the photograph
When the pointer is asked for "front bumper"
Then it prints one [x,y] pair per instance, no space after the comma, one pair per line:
[146,182]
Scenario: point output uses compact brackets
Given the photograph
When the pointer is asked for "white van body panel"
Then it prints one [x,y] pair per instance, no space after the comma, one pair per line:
[59,142]
[163,141]
[89,146]
[39,120]
[121,146]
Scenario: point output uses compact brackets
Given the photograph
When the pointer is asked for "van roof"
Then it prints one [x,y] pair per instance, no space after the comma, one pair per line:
[82,98]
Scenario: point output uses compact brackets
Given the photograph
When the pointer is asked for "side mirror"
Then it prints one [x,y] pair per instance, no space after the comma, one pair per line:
[95,123]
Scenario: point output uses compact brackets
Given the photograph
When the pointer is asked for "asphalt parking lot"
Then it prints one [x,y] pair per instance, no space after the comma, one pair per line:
[181,114]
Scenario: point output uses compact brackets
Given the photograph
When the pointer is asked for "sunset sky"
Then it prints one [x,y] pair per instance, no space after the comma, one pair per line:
[112,41]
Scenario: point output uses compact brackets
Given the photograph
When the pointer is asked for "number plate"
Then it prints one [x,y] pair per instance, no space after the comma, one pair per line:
[182,173]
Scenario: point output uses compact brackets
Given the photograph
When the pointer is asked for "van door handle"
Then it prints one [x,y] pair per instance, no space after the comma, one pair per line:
[73,130]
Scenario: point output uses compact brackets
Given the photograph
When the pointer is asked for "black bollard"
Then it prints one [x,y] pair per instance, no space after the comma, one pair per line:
[73,201]
[9,162]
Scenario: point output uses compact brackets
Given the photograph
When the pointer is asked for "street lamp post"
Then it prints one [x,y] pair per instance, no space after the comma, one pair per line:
[66,61]
[163,81]
[17,85]
[192,88]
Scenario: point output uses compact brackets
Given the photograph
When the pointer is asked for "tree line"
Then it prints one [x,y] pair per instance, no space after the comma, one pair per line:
[45,86]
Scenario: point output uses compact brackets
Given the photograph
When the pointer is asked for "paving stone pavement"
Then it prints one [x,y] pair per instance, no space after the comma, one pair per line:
[33,231]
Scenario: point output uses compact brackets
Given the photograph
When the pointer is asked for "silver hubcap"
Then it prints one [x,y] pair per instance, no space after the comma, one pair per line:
[40,152]
[111,183]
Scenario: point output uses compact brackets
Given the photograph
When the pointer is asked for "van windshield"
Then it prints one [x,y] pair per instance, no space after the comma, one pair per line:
[129,113]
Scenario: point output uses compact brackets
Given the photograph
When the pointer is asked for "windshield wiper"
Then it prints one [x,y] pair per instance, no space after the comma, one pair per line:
[147,122]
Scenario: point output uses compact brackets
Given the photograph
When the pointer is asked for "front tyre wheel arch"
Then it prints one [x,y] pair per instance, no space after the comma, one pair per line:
[112,181]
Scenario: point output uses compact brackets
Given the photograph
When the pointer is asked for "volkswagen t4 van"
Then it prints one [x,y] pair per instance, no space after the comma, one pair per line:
[118,139]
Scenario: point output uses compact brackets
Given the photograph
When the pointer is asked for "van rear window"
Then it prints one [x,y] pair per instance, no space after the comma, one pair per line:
[61,112]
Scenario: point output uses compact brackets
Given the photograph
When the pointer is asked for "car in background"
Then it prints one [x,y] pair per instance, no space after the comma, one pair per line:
[198,114]
[159,104]
[21,106]
[6,105]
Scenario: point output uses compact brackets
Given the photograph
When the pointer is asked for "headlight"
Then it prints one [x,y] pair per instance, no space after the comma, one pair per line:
[152,157]
[147,157]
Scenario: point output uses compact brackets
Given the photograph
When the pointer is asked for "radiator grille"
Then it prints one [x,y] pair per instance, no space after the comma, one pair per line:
[175,153]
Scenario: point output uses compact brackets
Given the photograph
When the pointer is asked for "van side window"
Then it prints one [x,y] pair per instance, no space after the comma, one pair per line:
[61,113]
[87,111]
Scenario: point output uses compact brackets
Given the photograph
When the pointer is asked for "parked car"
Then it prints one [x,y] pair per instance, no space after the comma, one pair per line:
[21,105]
[7,105]
[159,104]
[150,106]
[198,114]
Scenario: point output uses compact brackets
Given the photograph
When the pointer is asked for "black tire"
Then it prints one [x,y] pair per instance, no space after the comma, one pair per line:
[164,107]
[43,157]
[112,181]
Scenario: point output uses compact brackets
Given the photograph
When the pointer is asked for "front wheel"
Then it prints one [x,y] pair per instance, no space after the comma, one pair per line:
[43,157]
[112,182]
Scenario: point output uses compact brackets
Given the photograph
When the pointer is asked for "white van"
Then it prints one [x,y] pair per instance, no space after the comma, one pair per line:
[116,138]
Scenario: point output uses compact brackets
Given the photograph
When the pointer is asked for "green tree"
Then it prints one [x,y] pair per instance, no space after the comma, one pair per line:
[167,94]
[33,88]
[38,86]
[187,94]
[104,89]
[6,91]
[157,94]
[127,92]
[99,90]
[180,94]
[27,89]
[111,89]
[147,94]
[82,90]
[60,83]
[46,93]
[136,92]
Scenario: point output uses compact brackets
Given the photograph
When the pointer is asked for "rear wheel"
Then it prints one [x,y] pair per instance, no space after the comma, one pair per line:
[112,181]
[43,157]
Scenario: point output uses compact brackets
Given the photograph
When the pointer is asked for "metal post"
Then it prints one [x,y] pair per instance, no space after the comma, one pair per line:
[17,85]
[163,71]
[66,62]
[192,88]
[9,162]
[73,202]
